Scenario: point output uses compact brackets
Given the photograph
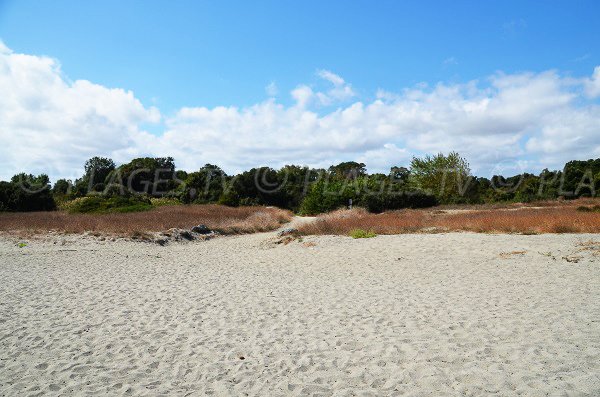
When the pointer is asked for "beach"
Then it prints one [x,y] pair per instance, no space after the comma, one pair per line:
[447,314]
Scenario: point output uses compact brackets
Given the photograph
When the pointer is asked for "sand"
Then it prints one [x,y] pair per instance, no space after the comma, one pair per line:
[455,314]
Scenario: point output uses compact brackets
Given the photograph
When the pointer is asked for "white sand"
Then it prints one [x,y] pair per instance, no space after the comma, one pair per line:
[414,315]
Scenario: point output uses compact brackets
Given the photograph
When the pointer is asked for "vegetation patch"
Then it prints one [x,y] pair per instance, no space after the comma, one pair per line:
[440,179]
[360,233]
[160,201]
[564,218]
[583,208]
[219,218]
[103,205]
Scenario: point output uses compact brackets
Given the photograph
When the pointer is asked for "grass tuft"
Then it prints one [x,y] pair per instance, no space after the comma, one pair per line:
[360,233]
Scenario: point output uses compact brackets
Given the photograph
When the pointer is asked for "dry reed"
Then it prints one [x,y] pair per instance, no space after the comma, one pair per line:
[525,220]
[226,220]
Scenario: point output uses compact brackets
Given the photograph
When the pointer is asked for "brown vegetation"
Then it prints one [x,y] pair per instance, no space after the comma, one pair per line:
[226,220]
[507,255]
[561,218]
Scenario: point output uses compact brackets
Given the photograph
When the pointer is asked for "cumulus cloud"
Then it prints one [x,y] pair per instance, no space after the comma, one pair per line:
[302,94]
[340,92]
[271,89]
[4,49]
[51,125]
[524,121]
[592,85]
[528,120]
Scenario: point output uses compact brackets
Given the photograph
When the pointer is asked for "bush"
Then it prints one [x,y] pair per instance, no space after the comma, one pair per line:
[26,193]
[359,233]
[595,208]
[159,202]
[372,193]
[98,204]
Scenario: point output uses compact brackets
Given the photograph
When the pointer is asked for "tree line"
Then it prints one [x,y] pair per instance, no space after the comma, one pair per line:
[428,181]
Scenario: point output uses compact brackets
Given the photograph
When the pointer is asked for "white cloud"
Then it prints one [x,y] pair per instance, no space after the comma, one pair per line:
[3,48]
[271,89]
[592,85]
[340,92]
[516,121]
[510,117]
[302,95]
[51,125]
[384,157]
[331,77]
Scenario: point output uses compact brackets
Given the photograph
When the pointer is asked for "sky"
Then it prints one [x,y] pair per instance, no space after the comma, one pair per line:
[513,86]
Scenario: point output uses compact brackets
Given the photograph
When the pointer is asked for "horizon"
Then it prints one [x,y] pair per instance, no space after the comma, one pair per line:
[510,88]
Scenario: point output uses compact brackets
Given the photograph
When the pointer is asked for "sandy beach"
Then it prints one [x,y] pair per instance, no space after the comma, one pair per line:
[457,314]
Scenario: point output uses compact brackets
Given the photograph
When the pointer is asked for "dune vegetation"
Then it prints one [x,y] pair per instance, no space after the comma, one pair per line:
[545,217]
[436,193]
[219,218]
[429,181]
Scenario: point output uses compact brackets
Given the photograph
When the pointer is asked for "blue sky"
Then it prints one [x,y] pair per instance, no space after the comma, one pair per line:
[178,54]
[200,53]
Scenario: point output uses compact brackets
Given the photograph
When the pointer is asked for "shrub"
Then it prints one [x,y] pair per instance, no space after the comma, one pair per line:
[373,193]
[583,208]
[26,193]
[158,202]
[360,233]
[98,204]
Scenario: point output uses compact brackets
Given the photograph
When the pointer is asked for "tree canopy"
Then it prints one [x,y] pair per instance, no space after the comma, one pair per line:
[429,180]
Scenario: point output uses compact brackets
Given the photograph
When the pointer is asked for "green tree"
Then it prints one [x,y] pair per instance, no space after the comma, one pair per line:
[348,170]
[97,169]
[446,177]
[61,188]
[400,174]
[258,186]
[154,176]
[295,181]
[204,186]
[26,192]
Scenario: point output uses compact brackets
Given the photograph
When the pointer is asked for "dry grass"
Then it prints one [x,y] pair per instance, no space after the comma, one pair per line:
[590,246]
[226,220]
[583,201]
[507,255]
[345,221]
[525,220]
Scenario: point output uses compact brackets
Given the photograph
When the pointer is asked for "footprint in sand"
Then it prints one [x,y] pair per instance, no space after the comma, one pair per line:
[41,366]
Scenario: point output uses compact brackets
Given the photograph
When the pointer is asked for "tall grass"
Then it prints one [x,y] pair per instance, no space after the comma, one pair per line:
[526,220]
[226,220]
